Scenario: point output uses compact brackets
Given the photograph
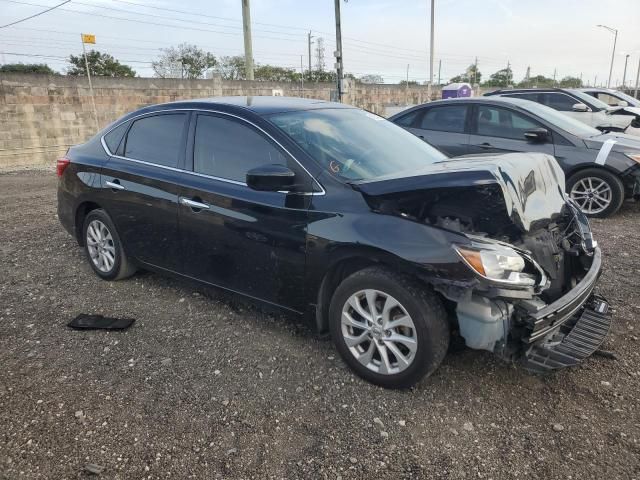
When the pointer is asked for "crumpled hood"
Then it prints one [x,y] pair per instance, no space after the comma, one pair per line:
[532,183]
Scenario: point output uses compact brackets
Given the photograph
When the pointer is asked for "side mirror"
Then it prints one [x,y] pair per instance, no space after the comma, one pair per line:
[271,178]
[580,107]
[622,103]
[537,134]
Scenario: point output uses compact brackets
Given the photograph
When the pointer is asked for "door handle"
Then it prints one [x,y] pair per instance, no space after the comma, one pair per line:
[194,204]
[484,145]
[114,185]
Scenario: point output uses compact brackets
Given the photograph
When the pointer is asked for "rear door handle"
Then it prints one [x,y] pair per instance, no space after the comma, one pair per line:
[484,145]
[194,204]
[115,184]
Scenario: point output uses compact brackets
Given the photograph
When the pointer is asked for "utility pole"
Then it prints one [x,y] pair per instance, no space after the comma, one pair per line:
[624,75]
[635,92]
[508,73]
[406,89]
[554,76]
[595,81]
[431,51]
[309,37]
[338,52]
[475,73]
[527,76]
[439,70]
[580,80]
[301,78]
[613,53]
[248,50]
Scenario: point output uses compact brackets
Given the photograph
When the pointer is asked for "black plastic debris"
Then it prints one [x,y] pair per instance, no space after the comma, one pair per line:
[94,322]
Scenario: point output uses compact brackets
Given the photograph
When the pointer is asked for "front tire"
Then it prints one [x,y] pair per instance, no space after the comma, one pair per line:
[596,191]
[103,247]
[390,329]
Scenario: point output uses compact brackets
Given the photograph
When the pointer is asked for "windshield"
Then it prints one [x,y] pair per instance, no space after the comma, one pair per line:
[356,145]
[589,100]
[558,119]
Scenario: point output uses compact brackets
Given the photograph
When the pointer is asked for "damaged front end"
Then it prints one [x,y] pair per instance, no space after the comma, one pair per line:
[531,251]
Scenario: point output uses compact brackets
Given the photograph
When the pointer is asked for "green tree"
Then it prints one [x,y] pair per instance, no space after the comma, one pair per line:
[183,61]
[471,75]
[502,78]
[538,81]
[100,64]
[26,68]
[273,73]
[571,82]
[322,76]
[371,79]
[231,68]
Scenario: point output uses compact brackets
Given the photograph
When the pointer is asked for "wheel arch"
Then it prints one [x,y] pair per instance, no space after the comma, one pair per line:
[588,166]
[82,210]
[345,264]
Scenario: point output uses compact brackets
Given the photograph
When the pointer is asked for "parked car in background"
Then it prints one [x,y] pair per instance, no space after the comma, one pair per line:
[336,214]
[613,98]
[601,169]
[578,105]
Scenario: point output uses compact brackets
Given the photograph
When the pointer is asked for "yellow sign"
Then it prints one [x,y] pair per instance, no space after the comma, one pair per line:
[88,38]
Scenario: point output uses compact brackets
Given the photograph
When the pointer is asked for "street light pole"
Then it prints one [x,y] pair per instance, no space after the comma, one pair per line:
[624,75]
[635,92]
[613,53]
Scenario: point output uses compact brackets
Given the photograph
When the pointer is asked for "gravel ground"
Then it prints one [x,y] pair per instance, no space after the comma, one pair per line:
[204,386]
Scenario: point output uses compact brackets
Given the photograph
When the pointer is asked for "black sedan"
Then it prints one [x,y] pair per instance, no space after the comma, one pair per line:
[601,169]
[339,216]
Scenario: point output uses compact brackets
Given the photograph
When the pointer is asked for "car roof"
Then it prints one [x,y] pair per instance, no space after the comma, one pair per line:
[262,105]
[527,90]
[492,100]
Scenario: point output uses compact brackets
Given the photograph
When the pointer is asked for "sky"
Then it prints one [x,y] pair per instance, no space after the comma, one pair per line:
[384,37]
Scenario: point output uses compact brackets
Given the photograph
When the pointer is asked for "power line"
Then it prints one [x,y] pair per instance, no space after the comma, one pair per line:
[36,15]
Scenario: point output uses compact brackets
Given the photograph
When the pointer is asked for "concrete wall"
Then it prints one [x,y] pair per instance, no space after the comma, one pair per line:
[41,115]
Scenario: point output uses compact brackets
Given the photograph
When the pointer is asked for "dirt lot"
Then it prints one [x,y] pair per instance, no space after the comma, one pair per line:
[207,387]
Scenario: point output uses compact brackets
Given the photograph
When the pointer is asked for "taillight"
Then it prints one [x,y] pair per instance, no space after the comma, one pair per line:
[61,164]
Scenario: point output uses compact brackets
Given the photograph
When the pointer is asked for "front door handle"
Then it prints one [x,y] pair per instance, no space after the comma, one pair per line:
[484,145]
[115,184]
[194,204]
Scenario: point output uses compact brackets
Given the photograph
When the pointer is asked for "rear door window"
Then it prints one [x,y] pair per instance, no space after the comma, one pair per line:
[445,119]
[503,123]
[558,101]
[156,139]
[228,149]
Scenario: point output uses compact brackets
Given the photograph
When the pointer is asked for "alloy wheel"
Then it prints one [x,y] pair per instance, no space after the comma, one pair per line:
[100,245]
[379,332]
[593,195]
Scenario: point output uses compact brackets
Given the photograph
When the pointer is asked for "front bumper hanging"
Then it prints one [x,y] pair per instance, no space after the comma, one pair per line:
[582,340]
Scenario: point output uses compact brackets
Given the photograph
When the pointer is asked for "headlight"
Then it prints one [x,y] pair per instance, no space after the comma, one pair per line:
[634,156]
[498,263]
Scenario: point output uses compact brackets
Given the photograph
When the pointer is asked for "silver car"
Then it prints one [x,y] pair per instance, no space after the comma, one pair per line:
[581,106]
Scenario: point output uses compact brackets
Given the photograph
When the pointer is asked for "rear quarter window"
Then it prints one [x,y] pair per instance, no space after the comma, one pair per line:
[114,137]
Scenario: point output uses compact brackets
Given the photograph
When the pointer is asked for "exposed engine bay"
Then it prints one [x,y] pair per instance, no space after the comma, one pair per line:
[521,217]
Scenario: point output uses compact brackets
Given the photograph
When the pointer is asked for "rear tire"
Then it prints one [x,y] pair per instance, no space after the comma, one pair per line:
[394,349]
[103,247]
[598,192]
